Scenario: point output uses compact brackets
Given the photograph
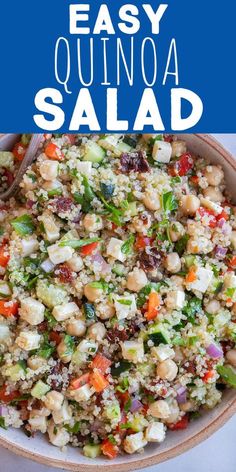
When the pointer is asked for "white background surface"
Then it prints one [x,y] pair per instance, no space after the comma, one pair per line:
[217,453]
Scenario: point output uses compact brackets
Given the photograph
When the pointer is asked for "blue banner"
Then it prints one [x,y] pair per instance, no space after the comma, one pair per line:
[90,66]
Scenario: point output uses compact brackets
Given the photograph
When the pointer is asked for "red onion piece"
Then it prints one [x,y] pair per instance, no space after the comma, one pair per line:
[214,351]
[181,395]
[220,252]
[3,410]
[136,405]
[100,261]
[221,223]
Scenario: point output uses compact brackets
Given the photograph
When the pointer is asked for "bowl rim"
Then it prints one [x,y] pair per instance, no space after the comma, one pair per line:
[158,457]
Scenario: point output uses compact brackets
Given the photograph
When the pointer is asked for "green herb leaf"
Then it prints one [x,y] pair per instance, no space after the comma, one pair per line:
[122,301]
[89,311]
[230,292]
[127,246]
[78,243]
[180,246]
[193,307]
[69,342]
[23,225]
[122,367]
[227,374]
[2,423]
[127,405]
[169,202]
[116,215]
[73,429]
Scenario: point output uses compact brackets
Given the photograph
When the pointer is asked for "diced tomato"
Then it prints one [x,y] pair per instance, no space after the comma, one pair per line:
[101,363]
[8,308]
[142,242]
[232,262]
[4,255]
[98,381]
[208,376]
[87,250]
[19,151]
[71,138]
[204,212]
[55,337]
[52,151]
[223,215]
[79,381]
[182,166]
[8,397]
[109,449]
[182,424]
[153,306]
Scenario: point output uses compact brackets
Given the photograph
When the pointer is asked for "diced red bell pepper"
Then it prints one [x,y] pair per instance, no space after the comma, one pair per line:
[88,249]
[182,166]
[52,151]
[19,151]
[182,424]
[208,376]
[109,449]
[101,363]
[55,337]
[194,179]
[8,397]
[71,138]
[8,308]
[79,381]
[232,262]
[142,242]
[209,213]
[4,255]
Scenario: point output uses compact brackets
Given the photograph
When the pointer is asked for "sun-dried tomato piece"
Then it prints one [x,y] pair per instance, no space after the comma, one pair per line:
[134,161]
[150,259]
[62,204]
[64,273]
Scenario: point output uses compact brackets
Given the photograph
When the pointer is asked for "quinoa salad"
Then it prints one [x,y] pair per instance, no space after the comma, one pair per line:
[117,291]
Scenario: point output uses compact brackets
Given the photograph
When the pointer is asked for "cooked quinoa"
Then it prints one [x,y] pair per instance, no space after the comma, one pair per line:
[117,291]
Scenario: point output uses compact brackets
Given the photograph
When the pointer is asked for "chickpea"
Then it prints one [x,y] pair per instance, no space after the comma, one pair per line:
[174,412]
[214,194]
[167,370]
[213,307]
[48,170]
[52,185]
[231,357]
[151,200]
[92,293]
[176,231]
[137,279]
[53,400]
[93,222]
[159,409]
[214,175]
[142,225]
[75,263]
[178,354]
[97,331]
[173,263]
[36,362]
[178,148]
[190,204]
[76,327]
[105,311]
[187,406]
[63,352]
[58,436]
[233,239]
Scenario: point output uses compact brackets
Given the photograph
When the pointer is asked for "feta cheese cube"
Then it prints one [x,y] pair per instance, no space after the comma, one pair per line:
[28,340]
[84,167]
[163,352]
[75,263]
[175,299]
[203,280]
[62,415]
[32,311]
[4,332]
[38,423]
[155,432]
[134,442]
[28,246]
[159,409]
[162,151]
[59,254]
[82,394]
[58,436]
[133,351]
[211,205]
[114,249]
[48,169]
[47,266]
[125,306]
[65,311]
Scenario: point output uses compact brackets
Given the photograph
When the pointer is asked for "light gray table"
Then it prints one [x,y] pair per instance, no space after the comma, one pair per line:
[217,453]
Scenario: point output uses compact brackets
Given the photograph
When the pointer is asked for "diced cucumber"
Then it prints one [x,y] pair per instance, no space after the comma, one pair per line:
[5,290]
[190,260]
[49,294]
[92,450]
[15,372]
[158,335]
[94,153]
[6,159]
[113,412]
[132,209]
[39,390]
[123,147]
[118,269]
[138,423]
[122,367]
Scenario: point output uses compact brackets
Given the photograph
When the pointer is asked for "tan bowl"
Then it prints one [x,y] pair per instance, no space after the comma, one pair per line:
[40,450]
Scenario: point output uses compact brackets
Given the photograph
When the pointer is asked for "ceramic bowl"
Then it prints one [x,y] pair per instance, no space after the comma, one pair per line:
[40,450]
